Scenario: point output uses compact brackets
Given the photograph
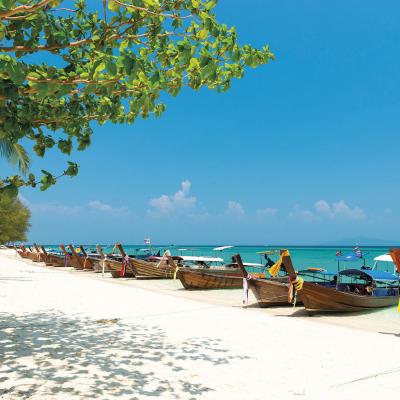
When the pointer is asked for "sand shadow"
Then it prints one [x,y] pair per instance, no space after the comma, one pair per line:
[390,333]
[49,354]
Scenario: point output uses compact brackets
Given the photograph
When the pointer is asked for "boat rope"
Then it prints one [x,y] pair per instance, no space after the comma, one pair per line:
[175,272]
[103,266]
[390,371]
[294,286]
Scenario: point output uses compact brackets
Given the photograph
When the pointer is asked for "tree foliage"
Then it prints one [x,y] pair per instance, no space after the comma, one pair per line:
[14,219]
[64,64]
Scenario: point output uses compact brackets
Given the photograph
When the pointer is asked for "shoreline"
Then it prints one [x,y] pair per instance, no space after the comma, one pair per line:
[388,318]
[67,337]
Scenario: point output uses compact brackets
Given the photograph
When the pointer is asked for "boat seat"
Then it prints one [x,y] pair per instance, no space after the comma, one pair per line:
[343,287]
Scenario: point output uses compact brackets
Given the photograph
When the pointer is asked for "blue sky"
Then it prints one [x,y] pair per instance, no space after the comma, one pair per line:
[301,151]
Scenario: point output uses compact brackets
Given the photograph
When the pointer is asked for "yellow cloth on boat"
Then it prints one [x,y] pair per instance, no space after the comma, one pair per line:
[298,283]
[398,307]
[275,268]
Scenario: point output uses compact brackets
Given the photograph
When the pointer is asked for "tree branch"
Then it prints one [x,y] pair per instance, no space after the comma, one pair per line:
[158,14]
[22,9]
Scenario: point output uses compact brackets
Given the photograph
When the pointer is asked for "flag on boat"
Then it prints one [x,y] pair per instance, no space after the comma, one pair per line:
[357,252]
[147,241]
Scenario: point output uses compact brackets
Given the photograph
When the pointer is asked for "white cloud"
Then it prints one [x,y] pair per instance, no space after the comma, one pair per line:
[54,208]
[338,210]
[106,208]
[58,208]
[305,215]
[322,209]
[267,212]
[234,209]
[166,205]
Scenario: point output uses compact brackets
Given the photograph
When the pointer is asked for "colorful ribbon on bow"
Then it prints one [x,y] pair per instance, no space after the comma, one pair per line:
[125,261]
[246,289]
[276,267]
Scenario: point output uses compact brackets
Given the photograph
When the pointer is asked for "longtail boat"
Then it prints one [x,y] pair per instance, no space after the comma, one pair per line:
[225,276]
[160,269]
[52,259]
[355,290]
[105,260]
[22,251]
[30,254]
[198,279]
[40,257]
[91,262]
[117,266]
[278,291]
[72,260]
[80,262]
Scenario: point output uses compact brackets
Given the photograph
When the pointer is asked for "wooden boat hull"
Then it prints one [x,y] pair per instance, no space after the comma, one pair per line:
[195,279]
[54,260]
[140,269]
[271,293]
[149,269]
[97,264]
[34,256]
[74,262]
[22,254]
[328,299]
[114,267]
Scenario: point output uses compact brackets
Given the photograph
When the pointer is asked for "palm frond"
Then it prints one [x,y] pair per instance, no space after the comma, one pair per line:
[15,154]
[6,148]
[21,157]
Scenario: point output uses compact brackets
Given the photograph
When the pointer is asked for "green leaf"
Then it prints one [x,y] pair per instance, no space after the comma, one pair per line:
[111,67]
[210,4]
[113,6]
[202,34]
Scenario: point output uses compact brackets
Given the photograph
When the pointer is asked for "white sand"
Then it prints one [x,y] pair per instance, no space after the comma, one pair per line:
[53,346]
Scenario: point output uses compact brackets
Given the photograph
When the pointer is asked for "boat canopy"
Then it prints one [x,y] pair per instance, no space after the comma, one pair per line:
[267,252]
[369,275]
[317,271]
[253,264]
[384,257]
[222,248]
[348,257]
[201,259]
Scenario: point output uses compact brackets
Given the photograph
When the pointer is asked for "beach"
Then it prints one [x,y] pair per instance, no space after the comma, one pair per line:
[74,335]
